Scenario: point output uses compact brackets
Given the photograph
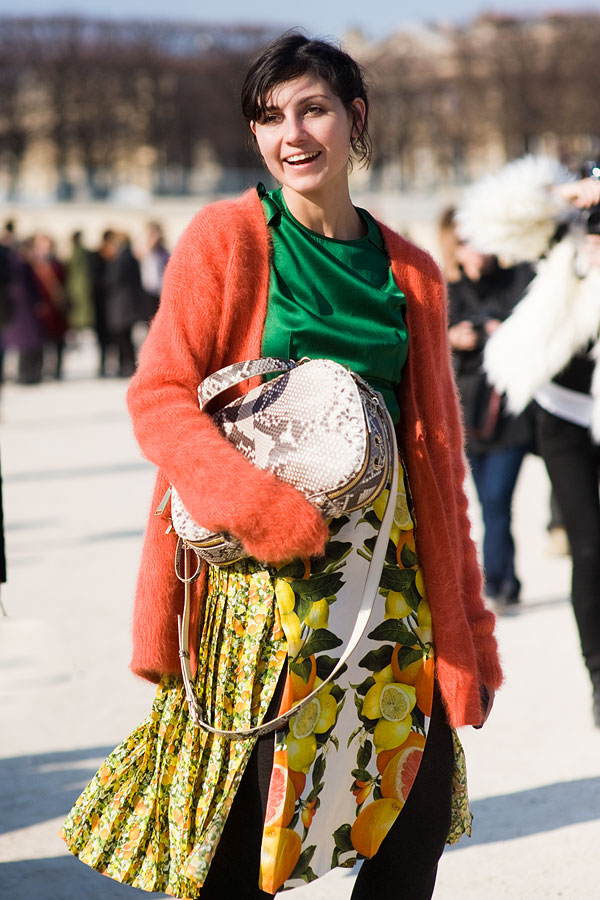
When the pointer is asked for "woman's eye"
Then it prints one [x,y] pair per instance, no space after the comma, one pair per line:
[269,119]
[314,110]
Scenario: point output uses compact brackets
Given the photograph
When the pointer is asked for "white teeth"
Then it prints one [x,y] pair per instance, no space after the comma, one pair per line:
[300,157]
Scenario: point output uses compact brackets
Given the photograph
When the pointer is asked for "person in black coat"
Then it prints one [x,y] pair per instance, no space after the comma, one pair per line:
[98,262]
[124,302]
[2,544]
[481,295]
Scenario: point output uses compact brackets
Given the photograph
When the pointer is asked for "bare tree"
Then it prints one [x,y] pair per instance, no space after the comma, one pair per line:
[109,96]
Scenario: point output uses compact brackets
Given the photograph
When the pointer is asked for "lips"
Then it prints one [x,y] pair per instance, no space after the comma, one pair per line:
[302,159]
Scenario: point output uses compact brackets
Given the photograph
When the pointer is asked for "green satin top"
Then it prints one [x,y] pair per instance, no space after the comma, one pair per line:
[332,299]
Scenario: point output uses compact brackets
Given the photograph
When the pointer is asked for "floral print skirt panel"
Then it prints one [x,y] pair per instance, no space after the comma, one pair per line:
[343,767]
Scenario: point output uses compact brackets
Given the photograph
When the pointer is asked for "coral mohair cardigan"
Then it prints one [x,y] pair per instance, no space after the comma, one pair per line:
[211,314]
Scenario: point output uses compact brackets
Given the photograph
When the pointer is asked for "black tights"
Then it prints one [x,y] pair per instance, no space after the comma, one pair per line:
[405,864]
[235,866]
[234,869]
[573,464]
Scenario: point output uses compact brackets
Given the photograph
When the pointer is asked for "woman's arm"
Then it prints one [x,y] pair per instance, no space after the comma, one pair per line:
[220,488]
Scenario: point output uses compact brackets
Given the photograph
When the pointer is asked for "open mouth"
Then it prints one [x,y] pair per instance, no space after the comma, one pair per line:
[302,159]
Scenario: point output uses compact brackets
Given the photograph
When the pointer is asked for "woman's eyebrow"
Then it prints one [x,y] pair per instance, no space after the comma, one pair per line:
[270,107]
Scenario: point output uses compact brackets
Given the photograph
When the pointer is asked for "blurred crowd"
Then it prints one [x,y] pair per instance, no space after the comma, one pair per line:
[44,300]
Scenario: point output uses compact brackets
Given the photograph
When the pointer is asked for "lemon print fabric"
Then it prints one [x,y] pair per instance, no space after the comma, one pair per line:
[153,814]
[353,753]
[343,765]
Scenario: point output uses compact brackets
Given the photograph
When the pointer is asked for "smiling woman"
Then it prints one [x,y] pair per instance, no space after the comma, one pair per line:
[293,272]
[305,137]
[308,114]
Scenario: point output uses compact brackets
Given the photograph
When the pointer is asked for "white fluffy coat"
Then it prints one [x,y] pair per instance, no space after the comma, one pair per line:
[514,213]
[558,317]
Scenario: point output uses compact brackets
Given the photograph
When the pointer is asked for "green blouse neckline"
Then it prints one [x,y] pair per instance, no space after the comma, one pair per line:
[274,204]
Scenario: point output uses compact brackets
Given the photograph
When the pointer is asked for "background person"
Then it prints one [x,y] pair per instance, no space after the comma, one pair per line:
[99,260]
[548,349]
[153,262]
[6,301]
[2,547]
[25,331]
[50,275]
[123,302]
[482,294]
[79,285]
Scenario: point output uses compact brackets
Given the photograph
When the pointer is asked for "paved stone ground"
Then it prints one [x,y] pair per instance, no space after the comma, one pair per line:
[76,497]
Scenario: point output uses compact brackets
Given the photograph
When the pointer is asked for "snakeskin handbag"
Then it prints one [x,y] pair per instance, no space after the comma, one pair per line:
[317,426]
[324,430]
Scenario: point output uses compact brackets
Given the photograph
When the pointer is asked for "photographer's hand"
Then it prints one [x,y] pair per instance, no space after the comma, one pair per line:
[582,193]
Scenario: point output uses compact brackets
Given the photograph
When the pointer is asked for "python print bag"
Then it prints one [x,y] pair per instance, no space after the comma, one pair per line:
[317,426]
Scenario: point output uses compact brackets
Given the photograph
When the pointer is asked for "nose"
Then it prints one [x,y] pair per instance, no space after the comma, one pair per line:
[294,131]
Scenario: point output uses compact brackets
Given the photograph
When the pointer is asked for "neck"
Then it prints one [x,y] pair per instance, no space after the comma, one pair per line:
[333,216]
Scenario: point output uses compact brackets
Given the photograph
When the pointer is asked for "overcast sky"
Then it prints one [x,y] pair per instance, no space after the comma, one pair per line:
[325,17]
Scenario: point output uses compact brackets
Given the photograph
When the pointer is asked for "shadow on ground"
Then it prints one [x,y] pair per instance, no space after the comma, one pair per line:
[62,878]
[533,811]
[35,789]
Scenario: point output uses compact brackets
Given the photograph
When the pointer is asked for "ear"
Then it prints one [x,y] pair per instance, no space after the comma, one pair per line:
[253,128]
[359,112]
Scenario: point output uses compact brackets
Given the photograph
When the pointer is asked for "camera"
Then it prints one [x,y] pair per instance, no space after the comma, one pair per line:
[592,220]
[591,169]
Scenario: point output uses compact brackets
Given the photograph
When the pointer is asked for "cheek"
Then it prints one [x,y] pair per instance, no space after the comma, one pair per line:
[267,147]
[340,137]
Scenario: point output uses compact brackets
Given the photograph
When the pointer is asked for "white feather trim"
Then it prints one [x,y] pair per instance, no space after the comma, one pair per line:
[513,214]
[559,316]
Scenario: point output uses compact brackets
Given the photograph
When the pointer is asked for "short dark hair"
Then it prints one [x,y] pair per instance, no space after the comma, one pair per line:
[293,55]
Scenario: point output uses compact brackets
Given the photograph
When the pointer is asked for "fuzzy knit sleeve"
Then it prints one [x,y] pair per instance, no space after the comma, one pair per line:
[214,292]
[481,620]
[431,436]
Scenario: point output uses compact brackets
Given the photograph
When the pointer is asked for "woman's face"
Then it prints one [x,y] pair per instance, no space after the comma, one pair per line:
[473,263]
[305,133]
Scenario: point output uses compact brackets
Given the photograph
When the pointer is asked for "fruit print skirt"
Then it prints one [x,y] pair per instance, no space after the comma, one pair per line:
[153,814]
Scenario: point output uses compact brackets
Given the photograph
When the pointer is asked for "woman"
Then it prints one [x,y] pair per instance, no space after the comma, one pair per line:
[153,263]
[123,301]
[547,350]
[298,271]
[49,274]
[25,331]
[481,295]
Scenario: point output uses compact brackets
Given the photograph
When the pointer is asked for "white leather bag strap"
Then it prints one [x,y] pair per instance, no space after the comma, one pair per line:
[370,590]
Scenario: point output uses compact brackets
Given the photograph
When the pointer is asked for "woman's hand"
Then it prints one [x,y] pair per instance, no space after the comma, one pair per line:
[582,193]
[463,336]
[285,527]
[487,701]
[491,325]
